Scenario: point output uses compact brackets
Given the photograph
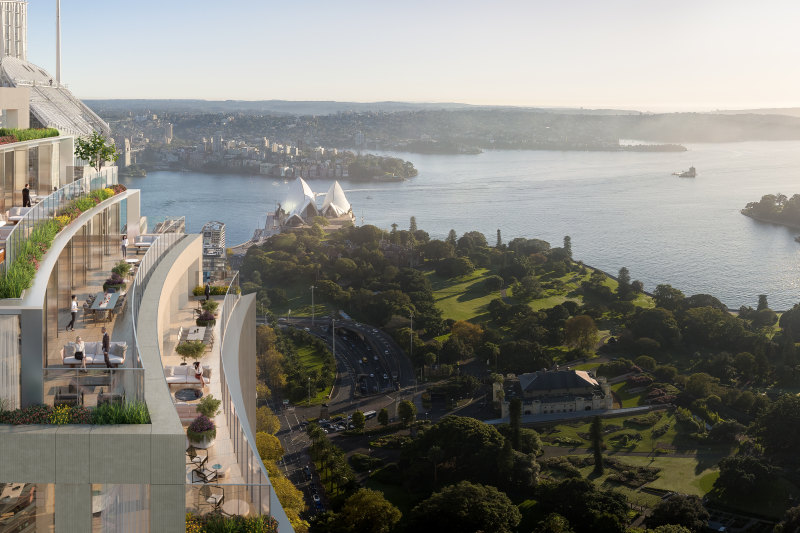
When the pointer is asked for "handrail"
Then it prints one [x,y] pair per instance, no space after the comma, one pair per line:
[155,253]
[49,207]
[244,448]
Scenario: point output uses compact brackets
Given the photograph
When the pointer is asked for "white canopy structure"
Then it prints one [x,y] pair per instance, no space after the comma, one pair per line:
[335,204]
[52,105]
[299,203]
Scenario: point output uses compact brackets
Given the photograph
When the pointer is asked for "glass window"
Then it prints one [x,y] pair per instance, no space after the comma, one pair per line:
[118,508]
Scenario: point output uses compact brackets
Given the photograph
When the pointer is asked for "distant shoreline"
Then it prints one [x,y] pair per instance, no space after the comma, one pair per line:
[770,220]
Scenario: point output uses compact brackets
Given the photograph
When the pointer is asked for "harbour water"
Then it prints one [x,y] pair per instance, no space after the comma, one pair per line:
[620,209]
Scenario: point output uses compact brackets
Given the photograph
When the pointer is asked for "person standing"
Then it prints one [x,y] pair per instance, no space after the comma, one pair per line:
[80,352]
[208,291]
[106,346]
[124,246]
[73,310]
[26,195]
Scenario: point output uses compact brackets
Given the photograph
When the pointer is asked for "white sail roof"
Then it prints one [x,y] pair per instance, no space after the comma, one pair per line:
[335,203]
[300,199]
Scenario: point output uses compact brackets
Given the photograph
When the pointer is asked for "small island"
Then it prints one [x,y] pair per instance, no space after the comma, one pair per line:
[381,168]
[776,209]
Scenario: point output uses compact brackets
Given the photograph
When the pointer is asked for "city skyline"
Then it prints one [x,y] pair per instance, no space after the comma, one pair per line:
[618,54]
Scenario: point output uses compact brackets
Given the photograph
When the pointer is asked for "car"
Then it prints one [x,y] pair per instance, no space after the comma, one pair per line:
[325,431]
[307,472]
[375,358]
[307,329]
[364,360]
[386,352]
[372,375]
[317,502]
[385,375]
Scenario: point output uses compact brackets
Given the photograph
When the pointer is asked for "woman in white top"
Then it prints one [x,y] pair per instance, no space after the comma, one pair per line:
[124,246]
[80,351]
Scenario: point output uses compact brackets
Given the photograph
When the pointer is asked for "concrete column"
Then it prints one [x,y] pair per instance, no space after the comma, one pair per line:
[32,351]
[73,507]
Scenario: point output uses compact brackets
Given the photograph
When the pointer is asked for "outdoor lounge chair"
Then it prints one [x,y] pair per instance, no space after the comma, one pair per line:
[216,499]
[195,459]
[206,475]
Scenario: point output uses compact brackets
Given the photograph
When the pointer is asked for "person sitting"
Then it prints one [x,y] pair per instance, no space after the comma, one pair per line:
[80,350]
[198,372]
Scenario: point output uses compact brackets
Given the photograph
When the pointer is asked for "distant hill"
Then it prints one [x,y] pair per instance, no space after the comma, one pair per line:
[291,107]
[786,111]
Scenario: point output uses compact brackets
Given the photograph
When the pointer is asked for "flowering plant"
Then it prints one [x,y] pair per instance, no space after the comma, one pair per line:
[201,428]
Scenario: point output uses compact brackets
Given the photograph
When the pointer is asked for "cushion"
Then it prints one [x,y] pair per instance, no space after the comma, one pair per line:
[206,371]
[113,359]
[181,370]
[94,347]
[118,349]
[69,350]
[167,371]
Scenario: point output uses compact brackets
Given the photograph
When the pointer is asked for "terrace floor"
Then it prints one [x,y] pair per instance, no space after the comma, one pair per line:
[237,499]
[87,325]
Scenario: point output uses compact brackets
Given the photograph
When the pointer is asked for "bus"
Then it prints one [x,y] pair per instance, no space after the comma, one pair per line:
[370,414]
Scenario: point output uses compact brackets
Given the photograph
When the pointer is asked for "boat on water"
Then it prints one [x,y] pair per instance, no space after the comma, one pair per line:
[691,173]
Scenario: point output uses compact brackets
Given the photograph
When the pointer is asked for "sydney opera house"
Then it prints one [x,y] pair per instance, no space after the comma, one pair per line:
[300,206]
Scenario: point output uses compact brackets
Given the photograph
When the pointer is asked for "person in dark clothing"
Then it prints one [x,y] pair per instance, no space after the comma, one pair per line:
[26,195]
[106,346]
[208,291]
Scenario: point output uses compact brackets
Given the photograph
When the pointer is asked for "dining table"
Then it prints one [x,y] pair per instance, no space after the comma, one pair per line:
[196,333]
[105,301]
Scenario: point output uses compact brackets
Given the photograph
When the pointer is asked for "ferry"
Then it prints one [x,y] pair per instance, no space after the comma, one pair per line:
[691,173]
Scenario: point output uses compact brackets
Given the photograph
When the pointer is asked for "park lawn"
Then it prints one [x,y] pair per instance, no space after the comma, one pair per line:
[628,399]
[680,474]
[586,366]
[462,298]
[298,298]
[673,441]
[311,359]
[634,496]
[552,301]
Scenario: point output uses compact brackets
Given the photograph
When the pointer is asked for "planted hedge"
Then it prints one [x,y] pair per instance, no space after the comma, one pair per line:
[19,275]
[28,134]
[104,414]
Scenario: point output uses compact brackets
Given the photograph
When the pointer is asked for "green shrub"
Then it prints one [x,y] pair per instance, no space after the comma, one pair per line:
[361,462]
[219,523]
[122,269]
[134,412]
[210,306]
[216,290]
[209,406]
[29,134]
[193,349]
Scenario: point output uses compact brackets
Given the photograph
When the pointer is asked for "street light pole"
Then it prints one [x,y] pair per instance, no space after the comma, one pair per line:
[411,338]
[312,305]
[309,392]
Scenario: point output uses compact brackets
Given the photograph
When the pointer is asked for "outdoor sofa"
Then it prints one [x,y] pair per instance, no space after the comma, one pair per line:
[184,375]
[94,354]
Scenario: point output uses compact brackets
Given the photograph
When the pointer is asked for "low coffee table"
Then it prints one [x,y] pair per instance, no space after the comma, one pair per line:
[188,395]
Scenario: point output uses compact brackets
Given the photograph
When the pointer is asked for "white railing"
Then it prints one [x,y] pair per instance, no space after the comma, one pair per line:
[51,206]
[155,253]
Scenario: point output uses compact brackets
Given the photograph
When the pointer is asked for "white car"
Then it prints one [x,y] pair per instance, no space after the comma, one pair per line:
[385,376]
[372,375]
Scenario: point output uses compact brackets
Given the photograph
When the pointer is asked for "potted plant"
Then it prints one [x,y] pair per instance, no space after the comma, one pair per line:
[210,306]
[114,282]
[206,319]
[193,349]
[122,268]
[202,431]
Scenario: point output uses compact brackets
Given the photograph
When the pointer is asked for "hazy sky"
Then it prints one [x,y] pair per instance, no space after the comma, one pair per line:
[630,54]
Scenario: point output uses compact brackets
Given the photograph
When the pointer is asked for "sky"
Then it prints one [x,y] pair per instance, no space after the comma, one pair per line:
[650,56]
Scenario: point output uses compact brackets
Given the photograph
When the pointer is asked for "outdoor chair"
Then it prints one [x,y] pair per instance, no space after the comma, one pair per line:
[216,499]
[195,459]
[206,475]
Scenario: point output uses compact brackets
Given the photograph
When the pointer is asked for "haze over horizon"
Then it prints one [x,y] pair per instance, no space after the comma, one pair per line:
[686,56]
